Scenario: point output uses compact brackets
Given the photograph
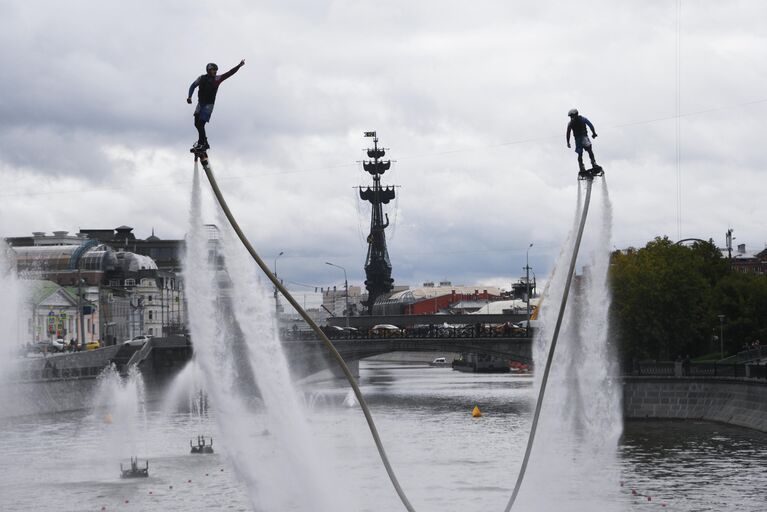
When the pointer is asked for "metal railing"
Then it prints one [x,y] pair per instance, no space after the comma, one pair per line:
[431,332]
[689,369]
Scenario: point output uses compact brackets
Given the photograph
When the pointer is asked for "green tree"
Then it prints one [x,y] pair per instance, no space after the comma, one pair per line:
[662,297]
[742,299]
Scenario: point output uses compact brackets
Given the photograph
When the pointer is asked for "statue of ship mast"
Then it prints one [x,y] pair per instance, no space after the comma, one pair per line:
[377,264]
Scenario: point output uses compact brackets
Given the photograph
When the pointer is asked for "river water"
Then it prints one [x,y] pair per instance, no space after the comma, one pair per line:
[445,459]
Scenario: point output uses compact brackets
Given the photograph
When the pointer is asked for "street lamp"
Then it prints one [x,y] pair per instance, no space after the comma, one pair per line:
[721,336]
[527,281]
[346,290]
[276,295]
[80,307]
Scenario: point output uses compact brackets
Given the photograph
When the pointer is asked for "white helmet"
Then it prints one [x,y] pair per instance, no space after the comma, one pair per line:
[573,112]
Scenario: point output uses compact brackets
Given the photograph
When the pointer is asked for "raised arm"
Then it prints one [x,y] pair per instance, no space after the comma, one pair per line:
[232,71]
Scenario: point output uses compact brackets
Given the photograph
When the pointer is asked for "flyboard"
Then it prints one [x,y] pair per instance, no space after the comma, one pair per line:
[587,174]
[201,155]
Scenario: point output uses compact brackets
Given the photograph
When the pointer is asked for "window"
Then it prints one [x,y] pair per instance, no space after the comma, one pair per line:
[130,282]
[150,314]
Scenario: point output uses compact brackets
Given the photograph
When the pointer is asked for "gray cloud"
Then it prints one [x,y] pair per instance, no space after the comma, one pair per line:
[471,99]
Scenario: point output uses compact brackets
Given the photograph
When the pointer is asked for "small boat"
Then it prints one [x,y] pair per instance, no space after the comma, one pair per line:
[480,363]
[135,471]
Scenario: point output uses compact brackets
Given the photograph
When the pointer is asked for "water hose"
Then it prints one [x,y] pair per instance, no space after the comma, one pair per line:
[550,357]
[317,330]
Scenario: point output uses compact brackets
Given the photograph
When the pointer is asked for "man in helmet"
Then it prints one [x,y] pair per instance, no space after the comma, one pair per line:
[577,126]
[206,97]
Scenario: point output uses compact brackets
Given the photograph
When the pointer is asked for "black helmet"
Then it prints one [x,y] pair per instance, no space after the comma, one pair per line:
[210,66]
[571,113]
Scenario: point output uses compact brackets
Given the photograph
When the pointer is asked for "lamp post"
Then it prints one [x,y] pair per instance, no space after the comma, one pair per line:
[346,290]
[81,320]
[721,336]
[527,282]
[276,294]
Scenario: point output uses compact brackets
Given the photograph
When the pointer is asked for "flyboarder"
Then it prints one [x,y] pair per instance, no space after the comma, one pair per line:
[578,126]
[206,97]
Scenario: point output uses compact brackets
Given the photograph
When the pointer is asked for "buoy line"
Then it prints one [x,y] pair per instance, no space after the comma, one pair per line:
[328,344]
[550,356]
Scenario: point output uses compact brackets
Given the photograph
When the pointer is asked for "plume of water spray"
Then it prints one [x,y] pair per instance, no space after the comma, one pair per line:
[119,409]
[186,392]
[10,305]
[576,444]
[204,322]
[549,305]
[213,296]
[254,313]
[350,400]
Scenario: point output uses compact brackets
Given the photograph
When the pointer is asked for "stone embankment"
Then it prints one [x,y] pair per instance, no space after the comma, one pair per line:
[735,401]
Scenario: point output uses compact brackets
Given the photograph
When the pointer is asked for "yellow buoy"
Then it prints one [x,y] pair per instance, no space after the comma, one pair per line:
[476,413]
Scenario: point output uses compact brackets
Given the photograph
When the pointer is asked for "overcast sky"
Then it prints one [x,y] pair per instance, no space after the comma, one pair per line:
[470,97]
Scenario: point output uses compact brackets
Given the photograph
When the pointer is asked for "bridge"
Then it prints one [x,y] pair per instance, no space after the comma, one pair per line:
[308,355]
[368,321]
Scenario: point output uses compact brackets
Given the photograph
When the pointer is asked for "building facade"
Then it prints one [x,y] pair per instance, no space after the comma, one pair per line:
[118,294]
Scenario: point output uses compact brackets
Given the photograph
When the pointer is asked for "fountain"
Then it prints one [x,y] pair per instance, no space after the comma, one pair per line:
[119,412]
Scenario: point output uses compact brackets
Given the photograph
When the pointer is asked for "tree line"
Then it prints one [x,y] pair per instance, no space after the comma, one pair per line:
[667,300]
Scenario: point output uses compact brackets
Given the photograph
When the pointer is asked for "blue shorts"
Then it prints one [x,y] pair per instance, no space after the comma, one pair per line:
[582,142]
[204,111]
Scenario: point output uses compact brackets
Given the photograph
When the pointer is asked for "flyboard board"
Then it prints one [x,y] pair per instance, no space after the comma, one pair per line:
[590,174]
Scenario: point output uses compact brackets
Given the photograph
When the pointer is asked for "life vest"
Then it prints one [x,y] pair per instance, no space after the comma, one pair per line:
[578,126]
[208,88]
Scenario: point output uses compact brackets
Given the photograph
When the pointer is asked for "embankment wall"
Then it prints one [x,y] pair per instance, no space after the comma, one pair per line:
[741,402]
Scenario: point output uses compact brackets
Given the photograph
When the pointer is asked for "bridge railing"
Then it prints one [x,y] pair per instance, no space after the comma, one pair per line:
[426,331]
